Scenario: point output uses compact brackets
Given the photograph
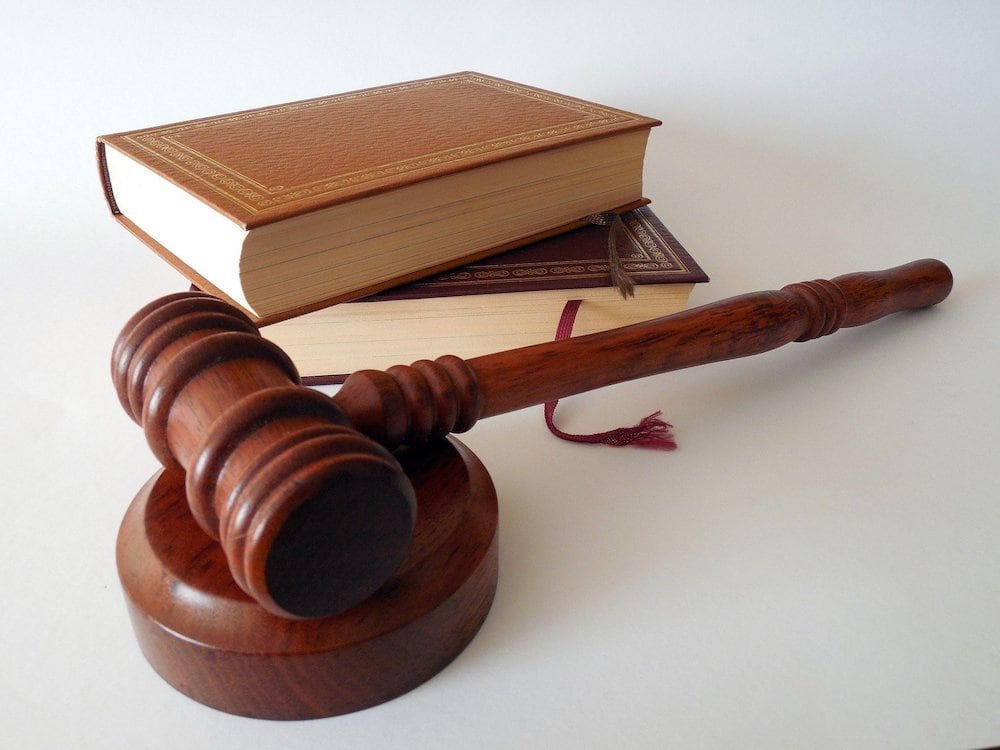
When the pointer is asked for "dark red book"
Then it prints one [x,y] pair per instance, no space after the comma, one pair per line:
[509,300]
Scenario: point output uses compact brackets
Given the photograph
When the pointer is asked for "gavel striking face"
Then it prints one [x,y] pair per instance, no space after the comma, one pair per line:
[302,491]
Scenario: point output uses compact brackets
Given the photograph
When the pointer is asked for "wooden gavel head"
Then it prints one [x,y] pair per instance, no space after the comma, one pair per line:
[312,515]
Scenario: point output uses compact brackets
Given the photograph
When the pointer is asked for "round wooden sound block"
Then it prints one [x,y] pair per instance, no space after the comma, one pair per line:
[215,644]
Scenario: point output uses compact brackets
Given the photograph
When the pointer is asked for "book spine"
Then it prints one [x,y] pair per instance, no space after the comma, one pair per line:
[102,168]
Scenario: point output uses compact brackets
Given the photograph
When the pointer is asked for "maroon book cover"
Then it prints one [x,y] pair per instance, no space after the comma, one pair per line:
[578,259]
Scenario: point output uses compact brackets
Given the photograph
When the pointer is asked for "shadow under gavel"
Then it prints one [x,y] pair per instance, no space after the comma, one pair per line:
[301,489]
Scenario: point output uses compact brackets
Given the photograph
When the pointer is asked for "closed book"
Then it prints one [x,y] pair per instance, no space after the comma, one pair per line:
[293,207]
[510,300]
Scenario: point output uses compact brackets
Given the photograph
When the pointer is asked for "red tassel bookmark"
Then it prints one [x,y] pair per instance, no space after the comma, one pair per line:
[650,432]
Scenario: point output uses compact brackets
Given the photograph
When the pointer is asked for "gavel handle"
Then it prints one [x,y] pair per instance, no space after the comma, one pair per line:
[736,327]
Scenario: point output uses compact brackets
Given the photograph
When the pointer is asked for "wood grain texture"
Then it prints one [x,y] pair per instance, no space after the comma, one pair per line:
[312,514]
[737,327]
[207,638]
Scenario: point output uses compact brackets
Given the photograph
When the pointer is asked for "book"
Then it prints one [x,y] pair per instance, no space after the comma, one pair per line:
[293,207]
[510,300]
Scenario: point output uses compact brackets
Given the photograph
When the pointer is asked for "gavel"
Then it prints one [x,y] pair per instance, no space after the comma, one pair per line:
[303,490]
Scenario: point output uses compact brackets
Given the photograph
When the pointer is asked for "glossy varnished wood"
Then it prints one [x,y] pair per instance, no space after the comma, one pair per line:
[205,636]
[301,556]
[312,514]
[737,327]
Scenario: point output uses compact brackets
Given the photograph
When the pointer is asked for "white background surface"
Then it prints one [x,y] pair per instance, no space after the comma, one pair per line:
[817,565]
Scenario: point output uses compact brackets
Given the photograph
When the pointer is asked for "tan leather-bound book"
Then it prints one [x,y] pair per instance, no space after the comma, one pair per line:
[293,207]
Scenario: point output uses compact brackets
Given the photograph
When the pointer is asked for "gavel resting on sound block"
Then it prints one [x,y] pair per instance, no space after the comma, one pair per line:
[319,508]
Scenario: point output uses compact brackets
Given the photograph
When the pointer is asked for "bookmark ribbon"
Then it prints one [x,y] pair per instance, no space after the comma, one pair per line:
[616,230]
[650,432]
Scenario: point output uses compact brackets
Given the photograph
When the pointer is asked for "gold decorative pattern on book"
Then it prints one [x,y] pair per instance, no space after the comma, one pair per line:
[251,193]
[648,250]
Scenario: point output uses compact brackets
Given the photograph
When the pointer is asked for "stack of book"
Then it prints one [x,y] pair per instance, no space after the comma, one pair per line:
[450,215]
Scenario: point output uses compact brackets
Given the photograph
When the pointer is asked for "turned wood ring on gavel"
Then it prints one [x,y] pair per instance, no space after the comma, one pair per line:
[313,511]
[312,515]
